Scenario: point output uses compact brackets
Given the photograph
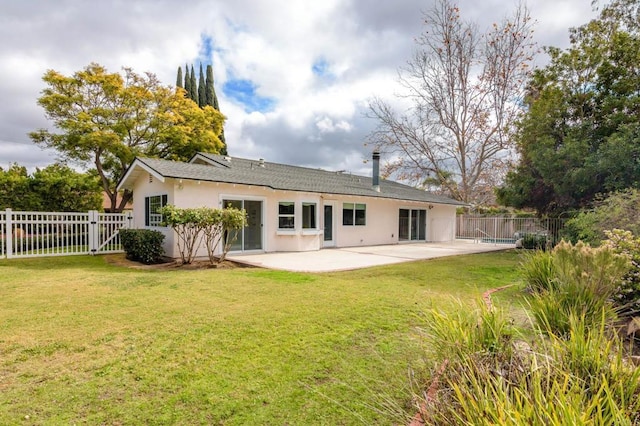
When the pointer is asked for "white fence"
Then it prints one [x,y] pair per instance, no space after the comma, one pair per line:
[506,229]
[38,234]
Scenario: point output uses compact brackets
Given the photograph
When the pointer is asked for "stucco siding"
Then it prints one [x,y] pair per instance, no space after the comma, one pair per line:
[147,186]
[441,223]
[381,224]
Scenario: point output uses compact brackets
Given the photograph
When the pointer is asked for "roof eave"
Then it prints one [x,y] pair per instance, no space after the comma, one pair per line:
[133,173]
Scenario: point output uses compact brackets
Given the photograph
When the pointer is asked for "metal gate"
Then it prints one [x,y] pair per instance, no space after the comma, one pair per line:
[507,229]
[39,234]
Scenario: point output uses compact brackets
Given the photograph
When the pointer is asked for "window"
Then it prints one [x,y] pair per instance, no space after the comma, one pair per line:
[308,216]
[354,214]
[361,216]
[286,215]
[152,205]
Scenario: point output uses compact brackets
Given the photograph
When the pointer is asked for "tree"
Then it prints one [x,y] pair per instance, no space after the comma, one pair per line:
[56,187]
[107,119]
[60,188]
[212,99]
[187,81]
[202,101]
[210,92]
[179,78]
[579,136]
[194,87]
[616,210]
[464,87]
[209,96]
[15,189]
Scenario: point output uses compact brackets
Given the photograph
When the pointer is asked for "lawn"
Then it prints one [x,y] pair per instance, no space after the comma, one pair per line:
[85,341]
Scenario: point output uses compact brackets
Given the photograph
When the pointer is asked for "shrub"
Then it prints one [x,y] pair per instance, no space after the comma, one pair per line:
[142,245]
[213,226]
[617,210]
[187,224]
[582,227]
[581,378]
[584,281]
[219,225]
[535,241]
[627,295]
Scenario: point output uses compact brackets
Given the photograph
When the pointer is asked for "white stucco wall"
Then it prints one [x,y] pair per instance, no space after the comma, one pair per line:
[441,223]
[147,187]
[381,214]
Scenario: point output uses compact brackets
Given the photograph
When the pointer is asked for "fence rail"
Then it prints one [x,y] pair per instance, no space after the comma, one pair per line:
[39,234]
[508,230]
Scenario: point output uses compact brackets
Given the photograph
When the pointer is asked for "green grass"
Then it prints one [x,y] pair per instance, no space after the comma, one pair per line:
[83,341]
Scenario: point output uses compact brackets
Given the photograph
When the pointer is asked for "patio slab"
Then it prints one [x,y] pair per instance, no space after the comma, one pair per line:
[349,258]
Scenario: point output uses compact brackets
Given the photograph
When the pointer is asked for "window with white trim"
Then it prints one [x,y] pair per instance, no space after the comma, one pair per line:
[354,214]
[152,206]
[309,216]
[286,215]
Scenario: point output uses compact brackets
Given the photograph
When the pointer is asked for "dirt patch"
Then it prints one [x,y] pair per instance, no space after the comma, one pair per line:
[120,260]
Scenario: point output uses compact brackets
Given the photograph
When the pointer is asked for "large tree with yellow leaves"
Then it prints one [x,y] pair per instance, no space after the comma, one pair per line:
[105,120]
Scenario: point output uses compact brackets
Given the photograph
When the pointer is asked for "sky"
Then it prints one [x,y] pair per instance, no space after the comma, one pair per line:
[293,77]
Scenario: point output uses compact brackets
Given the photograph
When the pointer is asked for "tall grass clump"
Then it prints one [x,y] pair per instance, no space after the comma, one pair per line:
[538,271]
[580,378]
[456,333]
[573,280]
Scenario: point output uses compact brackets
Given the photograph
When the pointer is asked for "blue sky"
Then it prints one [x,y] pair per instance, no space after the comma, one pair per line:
[244,92]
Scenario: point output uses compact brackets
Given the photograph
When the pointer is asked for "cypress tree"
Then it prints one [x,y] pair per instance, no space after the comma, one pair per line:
[209,90]
[179,77]
[187,81]
[203,93]
[212,100]
[194,86]
[201,89]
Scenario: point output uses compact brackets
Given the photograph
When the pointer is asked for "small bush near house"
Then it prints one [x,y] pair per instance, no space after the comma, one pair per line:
[142,245]
[204,224]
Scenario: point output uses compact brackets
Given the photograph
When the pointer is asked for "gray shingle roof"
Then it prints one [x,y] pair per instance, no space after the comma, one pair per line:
[285,177]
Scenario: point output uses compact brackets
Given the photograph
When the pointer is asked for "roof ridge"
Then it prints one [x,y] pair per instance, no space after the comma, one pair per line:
[287,177]
[208,154]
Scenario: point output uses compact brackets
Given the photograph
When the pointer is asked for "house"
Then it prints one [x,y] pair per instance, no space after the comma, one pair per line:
[290,208]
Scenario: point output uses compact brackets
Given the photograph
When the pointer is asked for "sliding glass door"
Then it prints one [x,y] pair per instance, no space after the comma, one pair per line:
[249,237]
[412,225]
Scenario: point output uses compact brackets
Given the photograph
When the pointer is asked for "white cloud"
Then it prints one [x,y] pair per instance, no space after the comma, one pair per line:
[315,118]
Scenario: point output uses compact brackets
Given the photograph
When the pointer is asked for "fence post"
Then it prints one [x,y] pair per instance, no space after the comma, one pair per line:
[9,233]
[93,231]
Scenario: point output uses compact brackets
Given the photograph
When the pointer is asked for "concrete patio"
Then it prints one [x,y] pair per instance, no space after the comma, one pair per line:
[348,258]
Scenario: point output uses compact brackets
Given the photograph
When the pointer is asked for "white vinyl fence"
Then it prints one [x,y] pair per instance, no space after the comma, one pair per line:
[507,229]
[37,234]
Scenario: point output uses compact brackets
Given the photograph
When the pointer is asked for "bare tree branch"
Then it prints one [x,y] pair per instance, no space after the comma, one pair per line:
[466,89]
